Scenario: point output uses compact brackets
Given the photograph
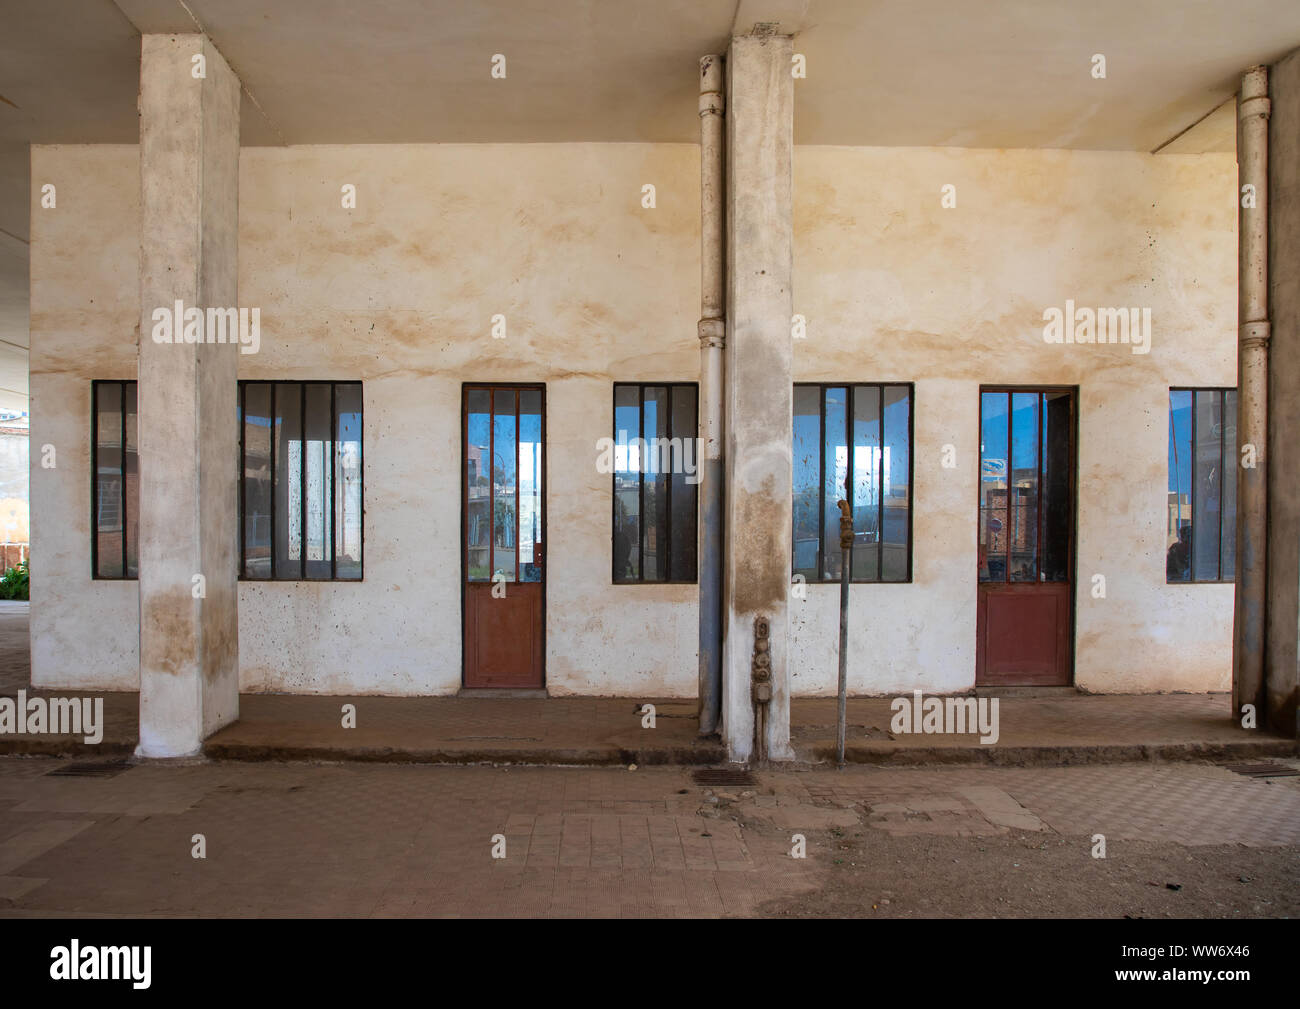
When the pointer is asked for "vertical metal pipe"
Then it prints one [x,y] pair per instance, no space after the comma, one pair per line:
[846,548]
[712,333]
[1253,109]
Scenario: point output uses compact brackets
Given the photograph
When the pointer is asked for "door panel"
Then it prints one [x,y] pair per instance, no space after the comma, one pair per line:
[1026,528]
[502,527]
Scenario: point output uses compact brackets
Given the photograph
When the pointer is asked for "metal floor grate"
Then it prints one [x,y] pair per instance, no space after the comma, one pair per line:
[722,776]
[1264,770]
[90,769]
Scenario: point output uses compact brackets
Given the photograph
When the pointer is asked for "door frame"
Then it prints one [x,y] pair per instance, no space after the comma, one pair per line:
[1012,387]
[464,513]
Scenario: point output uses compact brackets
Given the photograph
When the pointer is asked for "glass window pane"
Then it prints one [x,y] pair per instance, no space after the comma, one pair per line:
[685,483]
[806,459]
[1024,486]
[288,479]
[654,494]
[895,487]
[993,486]
[108,479]
[257,480]
[1207,477]
[627,483]
[504,465]
[1056,519]
[1229,546]
[530,485]
[348,517]
[835,471]
[478,483]
[866,484]
[131,483]
[318,448]
[1178,538]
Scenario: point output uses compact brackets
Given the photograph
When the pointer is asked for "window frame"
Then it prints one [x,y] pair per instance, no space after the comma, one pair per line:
[641,579]
[849,387]
[1221,392]
[332,384]
[123,513]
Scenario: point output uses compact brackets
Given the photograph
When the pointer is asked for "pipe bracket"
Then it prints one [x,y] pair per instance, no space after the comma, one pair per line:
[1256,105]
[1254,334]
[712,333]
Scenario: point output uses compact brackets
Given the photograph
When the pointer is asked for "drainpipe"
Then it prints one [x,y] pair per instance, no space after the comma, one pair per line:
[712,333]
[1252,395]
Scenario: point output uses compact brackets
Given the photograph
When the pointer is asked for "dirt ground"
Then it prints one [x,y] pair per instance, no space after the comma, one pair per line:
[873,875]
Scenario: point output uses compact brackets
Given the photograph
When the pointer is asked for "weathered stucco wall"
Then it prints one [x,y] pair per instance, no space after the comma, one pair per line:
[85,297]
[897,288]
[399,293]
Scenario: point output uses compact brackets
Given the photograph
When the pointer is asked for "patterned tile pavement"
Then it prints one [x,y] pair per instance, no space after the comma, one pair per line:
[411,840]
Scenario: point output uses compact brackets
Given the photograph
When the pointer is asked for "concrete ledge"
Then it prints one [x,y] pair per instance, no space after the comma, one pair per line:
[596,756]
[1050,756]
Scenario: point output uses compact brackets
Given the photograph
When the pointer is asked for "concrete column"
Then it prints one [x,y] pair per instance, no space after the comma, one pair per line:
[1252,392]
[1282,658]
[189,437]
[759,396]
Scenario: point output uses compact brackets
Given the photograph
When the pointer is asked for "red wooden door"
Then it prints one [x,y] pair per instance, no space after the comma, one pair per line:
[502,525]
[1025,614]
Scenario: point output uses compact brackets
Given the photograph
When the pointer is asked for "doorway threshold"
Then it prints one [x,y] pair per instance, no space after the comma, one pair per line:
[502,692]
[1027,691]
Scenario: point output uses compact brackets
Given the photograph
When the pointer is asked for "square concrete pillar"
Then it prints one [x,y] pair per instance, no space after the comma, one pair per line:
[759,395]
[1282,635]
[188,430]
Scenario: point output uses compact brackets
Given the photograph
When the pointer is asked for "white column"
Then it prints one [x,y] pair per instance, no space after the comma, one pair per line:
[759,395]
[188,432]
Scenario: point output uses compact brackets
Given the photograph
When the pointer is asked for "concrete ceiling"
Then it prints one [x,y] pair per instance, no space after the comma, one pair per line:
[995,73]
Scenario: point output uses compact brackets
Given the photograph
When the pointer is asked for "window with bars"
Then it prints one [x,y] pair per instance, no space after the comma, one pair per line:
[1201,524]
[853,442]
[115,480]
[300,488]
[656,481]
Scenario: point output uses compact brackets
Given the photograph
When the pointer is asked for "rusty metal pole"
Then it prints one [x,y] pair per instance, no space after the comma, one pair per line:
[1253,110]
[712,333]
[846,547]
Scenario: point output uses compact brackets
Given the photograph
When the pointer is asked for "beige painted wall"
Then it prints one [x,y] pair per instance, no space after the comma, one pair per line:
[897,288]
[399,293]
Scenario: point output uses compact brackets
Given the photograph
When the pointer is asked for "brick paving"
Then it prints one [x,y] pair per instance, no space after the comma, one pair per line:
[410,840]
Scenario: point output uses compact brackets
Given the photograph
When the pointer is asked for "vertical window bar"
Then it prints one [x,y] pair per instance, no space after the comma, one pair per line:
[640,483]
[1011,473]
[335,494]
[821,483]
[1221,396]
[94,479]
[121,399]
[1191,541]
[492,484]
[668,494]
[243,522]
[361,477]
[515,520]
[879,470]
[275,435]
[302,479]
[1041,450]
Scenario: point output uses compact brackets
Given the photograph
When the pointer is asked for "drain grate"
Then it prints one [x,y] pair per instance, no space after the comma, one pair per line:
[90,769]
[1265,770]
[722,776]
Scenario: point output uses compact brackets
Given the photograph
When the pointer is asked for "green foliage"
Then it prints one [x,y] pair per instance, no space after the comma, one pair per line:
[14,583]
